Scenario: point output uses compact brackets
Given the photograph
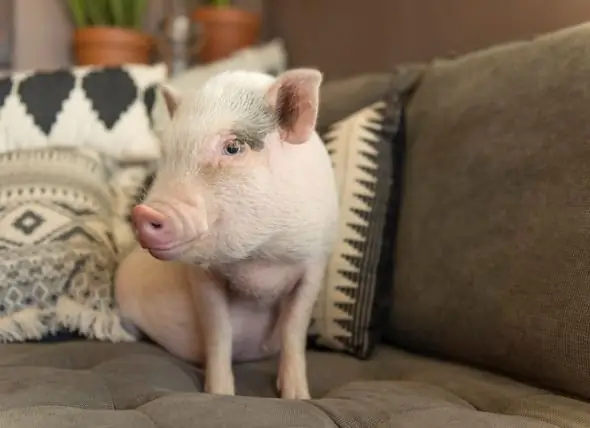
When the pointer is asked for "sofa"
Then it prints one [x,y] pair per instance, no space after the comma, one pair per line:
[469,303]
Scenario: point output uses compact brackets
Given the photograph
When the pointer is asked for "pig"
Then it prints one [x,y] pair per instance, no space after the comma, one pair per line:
[237,229]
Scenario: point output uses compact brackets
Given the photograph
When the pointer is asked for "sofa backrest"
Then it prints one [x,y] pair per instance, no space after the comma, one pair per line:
[493,250]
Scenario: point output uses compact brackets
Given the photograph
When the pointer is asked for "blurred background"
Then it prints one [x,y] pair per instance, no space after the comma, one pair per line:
[40,32]
[342,37]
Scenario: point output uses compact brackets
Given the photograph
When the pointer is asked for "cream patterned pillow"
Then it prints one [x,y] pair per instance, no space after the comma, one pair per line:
[57,254]
[365,148]
[129,181]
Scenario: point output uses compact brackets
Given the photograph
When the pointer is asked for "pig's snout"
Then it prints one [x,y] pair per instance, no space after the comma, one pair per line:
[154,229]
[165,230]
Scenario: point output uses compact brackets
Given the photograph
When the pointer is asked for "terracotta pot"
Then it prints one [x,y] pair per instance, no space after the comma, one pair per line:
[111,46]
[224,30]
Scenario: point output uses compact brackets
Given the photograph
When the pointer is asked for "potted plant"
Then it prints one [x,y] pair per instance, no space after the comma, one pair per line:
[108,32]
[223,29]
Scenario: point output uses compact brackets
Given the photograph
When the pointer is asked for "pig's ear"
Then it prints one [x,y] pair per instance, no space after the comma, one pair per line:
[294,96]
[171,98]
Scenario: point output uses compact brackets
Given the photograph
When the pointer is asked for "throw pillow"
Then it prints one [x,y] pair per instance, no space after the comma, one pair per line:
[105,108]
[366,149]
[342,97]
[57,254]
[129,181]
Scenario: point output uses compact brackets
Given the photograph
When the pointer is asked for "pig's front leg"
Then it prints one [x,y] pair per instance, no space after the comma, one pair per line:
[213,305]
[294,323]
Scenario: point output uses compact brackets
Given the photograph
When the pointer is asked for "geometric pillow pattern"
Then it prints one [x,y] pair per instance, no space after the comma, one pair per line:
[365,149]
[130,181]
[57,252]
[104,108]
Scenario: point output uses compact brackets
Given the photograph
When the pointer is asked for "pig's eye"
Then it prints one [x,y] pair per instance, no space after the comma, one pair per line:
[232,148]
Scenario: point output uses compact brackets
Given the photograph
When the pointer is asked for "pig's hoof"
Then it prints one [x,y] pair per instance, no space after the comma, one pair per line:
[227,390]
[223,386]
[292,388]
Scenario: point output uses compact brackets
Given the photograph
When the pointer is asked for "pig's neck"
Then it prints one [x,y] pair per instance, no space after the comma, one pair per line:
[263,279]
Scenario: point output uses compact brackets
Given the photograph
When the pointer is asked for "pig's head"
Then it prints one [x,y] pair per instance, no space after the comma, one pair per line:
[218,193]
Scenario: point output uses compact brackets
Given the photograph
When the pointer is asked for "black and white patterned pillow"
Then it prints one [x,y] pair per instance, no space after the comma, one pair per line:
[57,253]
[366,149]
[105,108]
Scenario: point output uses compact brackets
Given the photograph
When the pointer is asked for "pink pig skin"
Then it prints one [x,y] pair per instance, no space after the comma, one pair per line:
[237,228]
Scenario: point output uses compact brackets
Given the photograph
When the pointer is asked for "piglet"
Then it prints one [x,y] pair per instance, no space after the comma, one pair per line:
[237,228]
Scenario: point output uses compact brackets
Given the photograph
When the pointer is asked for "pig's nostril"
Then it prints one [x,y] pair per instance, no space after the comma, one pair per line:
[151,226]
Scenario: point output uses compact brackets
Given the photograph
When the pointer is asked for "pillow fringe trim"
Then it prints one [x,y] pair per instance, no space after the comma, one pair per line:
[28,324]
[93,324]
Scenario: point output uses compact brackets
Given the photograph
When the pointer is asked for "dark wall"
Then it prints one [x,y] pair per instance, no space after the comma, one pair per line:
[374,35]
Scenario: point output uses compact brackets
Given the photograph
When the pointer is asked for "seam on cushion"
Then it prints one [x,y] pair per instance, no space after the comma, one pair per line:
[327,413]
[16,364]
[474,410]
[63,406]
[87,368]
[390,418]
[90,371]
[149,418]
[310,402]
[108,390]
[530,418]
[501,408]
[460,400]
[505,410]
[37,366]
[85,409]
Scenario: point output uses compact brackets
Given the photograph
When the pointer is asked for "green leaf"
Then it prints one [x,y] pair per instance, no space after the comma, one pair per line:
[117,10]
[98,12]
[78,12]
[139,10]
[118,13]
[128,12]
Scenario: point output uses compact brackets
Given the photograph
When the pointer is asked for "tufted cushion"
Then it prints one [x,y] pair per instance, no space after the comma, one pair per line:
[138,385]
